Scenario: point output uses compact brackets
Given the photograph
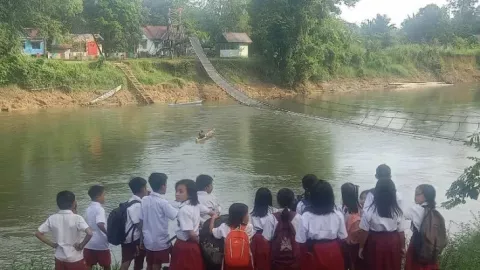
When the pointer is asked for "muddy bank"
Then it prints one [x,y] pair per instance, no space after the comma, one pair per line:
[14,98]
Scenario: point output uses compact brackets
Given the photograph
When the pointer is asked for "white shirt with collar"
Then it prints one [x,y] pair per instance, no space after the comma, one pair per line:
[271,225]
[94,215]
[67,230]
[223,230]
[321,227]
[155,214]
[300,207]
[416,214]
[209,201]
[259,222]
[134,213]
[371,221]
[188,219]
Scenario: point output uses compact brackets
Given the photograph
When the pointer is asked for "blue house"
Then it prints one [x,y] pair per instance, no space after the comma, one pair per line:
[33,43]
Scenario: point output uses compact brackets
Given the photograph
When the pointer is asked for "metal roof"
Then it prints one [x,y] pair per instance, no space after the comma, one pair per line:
[154,32]
[237,37]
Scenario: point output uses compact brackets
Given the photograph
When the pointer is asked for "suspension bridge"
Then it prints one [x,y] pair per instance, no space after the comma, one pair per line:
[446,127]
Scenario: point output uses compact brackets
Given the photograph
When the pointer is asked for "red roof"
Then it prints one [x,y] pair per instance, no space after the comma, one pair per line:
[153,32]
[237,37]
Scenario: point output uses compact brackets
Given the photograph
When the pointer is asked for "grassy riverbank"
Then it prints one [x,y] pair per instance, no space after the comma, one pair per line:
[72,83]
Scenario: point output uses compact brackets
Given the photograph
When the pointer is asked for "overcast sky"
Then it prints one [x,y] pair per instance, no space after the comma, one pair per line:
[398,10]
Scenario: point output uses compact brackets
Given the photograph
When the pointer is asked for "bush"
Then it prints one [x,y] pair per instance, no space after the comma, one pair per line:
[463,249]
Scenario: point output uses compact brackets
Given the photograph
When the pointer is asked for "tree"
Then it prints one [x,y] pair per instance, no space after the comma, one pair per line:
[468,184]
[466,17]
[284,33]
[430,24]
[379,30]
[118,21]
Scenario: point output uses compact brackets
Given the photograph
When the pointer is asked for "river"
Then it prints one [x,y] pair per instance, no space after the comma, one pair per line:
[44,152]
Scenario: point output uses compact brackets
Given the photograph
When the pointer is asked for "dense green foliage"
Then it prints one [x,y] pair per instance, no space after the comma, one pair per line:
[463,248]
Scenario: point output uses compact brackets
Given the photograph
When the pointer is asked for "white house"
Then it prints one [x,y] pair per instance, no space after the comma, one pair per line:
[234,44]
[152,39]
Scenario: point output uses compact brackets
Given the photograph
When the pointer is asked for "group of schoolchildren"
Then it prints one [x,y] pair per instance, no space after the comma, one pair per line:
[305,232]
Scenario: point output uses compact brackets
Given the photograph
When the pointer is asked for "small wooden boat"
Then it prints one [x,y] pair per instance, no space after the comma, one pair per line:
[106,95]
[193,103]
[208,136]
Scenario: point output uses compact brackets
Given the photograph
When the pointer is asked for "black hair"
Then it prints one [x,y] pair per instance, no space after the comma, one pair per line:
[263,201]
[286,200]
[383,172]
[157,180]
[65,200]
[429,193]
[385,199]
[308,182]
[365,192]
[191,190]
[137,184]
[350,197]
[236,213]
[322,199]
[95,191]
[203,181]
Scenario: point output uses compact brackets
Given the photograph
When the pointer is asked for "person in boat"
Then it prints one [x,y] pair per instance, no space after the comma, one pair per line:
[201,134]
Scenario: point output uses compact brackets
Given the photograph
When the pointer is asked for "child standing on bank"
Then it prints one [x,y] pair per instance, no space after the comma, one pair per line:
[132,249]
[66,228]
[186,254]
[280,230]
[204,184]
[262,211]
[237,253]
[156,212]
[351,208]
[97,250]
[321,231]
[308,182]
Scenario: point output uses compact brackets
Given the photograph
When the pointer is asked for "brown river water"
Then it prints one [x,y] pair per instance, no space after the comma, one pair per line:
[44,152]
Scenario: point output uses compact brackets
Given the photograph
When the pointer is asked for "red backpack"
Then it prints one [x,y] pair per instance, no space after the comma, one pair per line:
[237,248]
[285,251]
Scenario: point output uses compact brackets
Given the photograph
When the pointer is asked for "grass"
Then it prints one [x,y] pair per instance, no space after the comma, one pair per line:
[39,264]
[463,250]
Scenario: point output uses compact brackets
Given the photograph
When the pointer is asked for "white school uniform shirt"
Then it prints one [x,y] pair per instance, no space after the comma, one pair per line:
[134,213]
[300,207]
[189,219]
[209,201]
[271,225]
[416,214]
[156,211]
[93,215]
[66,228]
[259,222]
[321,227]
[371,221]
[223,230]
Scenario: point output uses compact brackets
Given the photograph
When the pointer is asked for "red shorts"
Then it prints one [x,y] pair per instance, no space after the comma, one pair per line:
[129,253]
[100,257]
[80,265]
[158,257]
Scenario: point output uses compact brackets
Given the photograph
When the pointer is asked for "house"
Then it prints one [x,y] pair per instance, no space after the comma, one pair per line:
[78,47]
[152,40]
[33,42]
[233,44]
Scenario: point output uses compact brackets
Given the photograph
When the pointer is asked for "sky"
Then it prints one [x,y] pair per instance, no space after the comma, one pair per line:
[398,10]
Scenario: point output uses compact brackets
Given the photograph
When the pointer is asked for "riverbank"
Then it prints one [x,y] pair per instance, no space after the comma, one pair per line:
[59,84]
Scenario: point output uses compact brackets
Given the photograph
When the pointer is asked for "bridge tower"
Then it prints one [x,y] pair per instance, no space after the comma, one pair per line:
[175,41]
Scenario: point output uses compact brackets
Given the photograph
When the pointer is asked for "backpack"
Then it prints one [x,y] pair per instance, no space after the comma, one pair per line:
[212,248]
[116,222]
[284,249]
[237,248]
[431,239]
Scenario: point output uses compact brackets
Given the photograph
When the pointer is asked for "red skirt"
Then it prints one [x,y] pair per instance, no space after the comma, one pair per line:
[186,256]
[411,264]
[383,251]
[324,256]
[355,263]
[260,252]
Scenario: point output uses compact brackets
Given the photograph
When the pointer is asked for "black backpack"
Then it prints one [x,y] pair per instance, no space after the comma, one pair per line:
[212,248]
[116,222]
